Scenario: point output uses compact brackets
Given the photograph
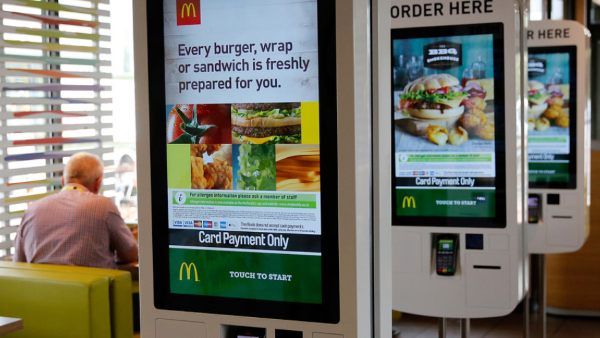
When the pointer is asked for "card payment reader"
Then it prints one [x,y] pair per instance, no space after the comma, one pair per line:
[446,256]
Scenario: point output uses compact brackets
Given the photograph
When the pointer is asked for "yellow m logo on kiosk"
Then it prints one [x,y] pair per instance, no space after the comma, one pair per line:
[408,200]
[188,269]
[189,12]
[187,7]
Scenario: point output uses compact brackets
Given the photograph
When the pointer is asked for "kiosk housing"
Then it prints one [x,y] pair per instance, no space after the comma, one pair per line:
[451,156]
[559,136]
[254,150]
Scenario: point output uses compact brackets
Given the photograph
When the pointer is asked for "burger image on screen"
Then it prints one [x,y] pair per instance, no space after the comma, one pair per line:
[266,123]
[537,97]
[437,96]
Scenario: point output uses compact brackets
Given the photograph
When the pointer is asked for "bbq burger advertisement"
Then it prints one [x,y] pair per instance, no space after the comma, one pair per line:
[551,117]
[243,154]
[446,109]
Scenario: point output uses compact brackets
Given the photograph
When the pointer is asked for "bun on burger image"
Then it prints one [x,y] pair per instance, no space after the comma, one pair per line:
[267,123]
[437,96]
[435,104]
[537,97]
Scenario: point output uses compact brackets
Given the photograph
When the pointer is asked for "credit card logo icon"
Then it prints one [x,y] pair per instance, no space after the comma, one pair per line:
[223,225]
[198,224]
[208,224]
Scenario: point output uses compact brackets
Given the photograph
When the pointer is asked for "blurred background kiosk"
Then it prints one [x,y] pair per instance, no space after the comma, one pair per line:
[559,145]
[452,149]
[270,238]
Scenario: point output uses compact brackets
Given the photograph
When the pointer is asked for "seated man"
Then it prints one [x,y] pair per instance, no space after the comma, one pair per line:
[76,226]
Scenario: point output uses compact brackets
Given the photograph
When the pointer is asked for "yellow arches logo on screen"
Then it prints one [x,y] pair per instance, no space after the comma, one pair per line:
[407,200]
[188,12]
[188,7]
[188,269]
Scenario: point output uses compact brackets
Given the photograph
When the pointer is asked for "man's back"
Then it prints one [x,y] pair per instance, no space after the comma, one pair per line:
[73,227]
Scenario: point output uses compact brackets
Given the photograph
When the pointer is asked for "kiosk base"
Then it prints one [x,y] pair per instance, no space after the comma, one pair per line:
[538,294]
[465,327]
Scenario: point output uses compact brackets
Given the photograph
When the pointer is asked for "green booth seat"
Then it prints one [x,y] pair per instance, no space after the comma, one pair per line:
[118,299]
[56,304]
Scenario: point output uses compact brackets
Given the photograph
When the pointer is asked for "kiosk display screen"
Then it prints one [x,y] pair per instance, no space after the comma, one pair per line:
[448,126]
[244,172]
[552,116]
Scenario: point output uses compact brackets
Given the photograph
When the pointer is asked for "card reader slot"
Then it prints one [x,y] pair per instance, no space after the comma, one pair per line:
[564,217]
[489,267]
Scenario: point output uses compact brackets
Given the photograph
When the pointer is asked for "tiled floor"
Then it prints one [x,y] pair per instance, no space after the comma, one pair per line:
[412,326]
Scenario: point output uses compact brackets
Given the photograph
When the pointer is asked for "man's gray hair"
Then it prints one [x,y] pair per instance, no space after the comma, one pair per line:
[83,168]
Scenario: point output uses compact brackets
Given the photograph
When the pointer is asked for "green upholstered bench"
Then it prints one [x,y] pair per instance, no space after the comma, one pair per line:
[56,304]
[118,299]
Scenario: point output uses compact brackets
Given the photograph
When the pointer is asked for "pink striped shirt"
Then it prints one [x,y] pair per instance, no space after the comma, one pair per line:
[73,227]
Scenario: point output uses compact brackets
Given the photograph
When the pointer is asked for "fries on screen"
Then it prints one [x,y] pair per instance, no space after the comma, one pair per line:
[298,168]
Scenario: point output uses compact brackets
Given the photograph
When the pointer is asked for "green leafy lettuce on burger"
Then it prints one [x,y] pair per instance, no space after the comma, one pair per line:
[437,96]
[267,123]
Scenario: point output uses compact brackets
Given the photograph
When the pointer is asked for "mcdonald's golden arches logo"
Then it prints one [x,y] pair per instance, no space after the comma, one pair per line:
[188,270]
[407,200]
[185,10]
[188,12]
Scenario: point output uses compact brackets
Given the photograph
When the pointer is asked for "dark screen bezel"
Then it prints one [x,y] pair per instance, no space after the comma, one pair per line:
[572,51]
[329,310]
[497,31]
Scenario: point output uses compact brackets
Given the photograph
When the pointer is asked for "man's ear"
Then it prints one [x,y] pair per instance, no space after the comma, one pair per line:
[97,185]
[62,180]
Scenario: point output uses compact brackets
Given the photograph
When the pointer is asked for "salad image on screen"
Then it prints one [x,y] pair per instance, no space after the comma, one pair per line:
[447,110]
[551,117]
[255,167]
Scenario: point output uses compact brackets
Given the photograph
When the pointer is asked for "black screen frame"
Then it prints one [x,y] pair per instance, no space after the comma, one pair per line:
[329,310]
[572,51]
[497,31]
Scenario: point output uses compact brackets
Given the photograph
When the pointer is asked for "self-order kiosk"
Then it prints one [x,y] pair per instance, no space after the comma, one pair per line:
[254,168]
[559,136]
[453,143]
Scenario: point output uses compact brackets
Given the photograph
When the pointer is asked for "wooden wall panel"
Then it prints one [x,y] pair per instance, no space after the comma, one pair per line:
[573,279]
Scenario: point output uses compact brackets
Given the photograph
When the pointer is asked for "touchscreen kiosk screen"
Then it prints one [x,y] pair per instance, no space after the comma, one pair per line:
[448,126]
[552,117]
[245,97]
